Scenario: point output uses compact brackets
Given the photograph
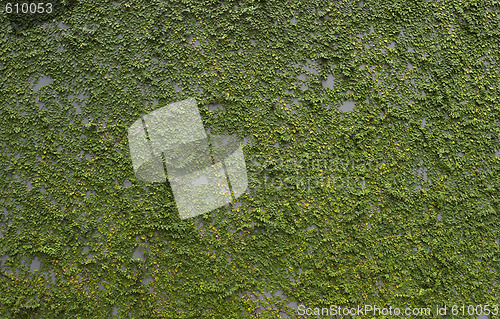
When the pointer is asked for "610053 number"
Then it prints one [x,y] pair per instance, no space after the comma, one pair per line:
[28,7]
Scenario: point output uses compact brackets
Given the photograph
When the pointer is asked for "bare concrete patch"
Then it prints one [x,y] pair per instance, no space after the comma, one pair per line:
[347,106]
[329,81]
[42,81]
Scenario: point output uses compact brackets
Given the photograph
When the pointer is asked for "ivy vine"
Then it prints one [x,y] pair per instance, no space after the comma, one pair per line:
[393,203]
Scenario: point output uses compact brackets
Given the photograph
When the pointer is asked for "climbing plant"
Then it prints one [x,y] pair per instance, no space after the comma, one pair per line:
[372,144]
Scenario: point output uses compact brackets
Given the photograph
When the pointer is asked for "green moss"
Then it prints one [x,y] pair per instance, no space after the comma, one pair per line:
[394,203]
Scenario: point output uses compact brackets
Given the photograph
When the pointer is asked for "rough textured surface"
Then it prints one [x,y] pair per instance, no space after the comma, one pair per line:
[401,183]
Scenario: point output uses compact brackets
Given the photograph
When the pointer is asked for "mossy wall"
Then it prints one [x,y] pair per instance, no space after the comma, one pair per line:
[372,148]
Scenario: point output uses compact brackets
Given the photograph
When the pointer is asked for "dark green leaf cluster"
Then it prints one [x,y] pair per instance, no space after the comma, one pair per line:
[394,202]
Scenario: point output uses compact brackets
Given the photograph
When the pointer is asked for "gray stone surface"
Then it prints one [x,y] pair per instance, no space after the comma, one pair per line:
[347,106]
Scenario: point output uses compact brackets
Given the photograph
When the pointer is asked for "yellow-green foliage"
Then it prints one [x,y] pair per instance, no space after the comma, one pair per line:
[395,203]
